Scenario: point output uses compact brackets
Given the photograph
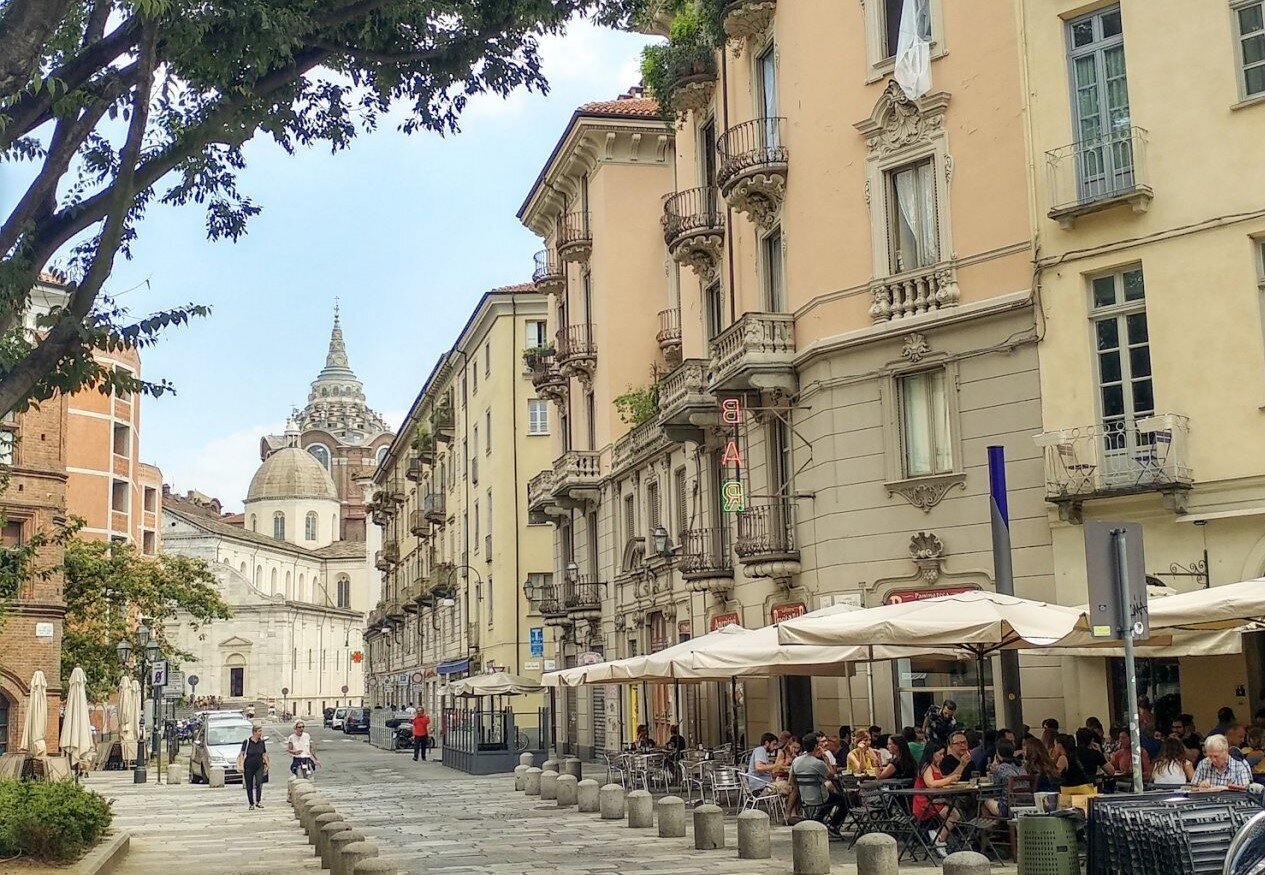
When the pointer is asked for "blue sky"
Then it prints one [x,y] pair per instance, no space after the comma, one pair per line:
[407,231]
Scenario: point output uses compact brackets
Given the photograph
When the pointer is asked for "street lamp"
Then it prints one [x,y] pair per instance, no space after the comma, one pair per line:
[124,650]
[659,541]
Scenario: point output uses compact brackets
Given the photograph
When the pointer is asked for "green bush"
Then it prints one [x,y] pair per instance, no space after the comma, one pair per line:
[50,821]
[695,37]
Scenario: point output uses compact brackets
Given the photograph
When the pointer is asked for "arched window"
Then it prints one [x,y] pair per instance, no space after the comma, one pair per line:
[321,453]
[279,526]
[309,526]
[382,454]
[289,593]
[344,591]
[272,582]
[301,595]
[243,569]
[259,575]
[253,528]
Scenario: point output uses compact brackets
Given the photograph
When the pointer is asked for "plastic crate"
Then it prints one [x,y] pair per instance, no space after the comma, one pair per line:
[1047,846]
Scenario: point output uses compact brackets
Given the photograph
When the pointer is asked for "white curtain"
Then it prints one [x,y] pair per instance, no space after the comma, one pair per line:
[927,243]
[907,201]
[913,49]
[917,426]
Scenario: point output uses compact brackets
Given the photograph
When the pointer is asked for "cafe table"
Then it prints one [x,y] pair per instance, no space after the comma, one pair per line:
[962,797]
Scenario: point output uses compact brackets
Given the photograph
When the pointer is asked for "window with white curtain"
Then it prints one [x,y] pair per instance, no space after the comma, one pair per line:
[913,232]
[894,10]
[537,416]
[924,417]
[536,334]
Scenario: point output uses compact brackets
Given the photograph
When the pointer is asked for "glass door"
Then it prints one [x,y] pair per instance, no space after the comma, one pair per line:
[1104,151]
[768,96]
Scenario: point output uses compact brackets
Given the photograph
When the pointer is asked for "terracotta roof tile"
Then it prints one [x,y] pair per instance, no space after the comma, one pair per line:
[46,277]
[639,107]
[516,287]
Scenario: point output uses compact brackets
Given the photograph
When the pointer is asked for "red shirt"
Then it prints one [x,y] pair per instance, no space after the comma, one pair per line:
[421,724]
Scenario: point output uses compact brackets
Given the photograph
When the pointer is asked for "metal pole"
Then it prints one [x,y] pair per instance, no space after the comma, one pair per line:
[1004,577]
[733,713]
[1125,625]
[553,723]
[979,685]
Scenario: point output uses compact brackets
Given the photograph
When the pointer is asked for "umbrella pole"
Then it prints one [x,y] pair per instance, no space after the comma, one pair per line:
[733,713]
[979,684]
[676,702]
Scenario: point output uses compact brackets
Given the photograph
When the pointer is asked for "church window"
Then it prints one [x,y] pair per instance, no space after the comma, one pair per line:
[259,575]
[382,454]
[344,591]
[279,526]
[309,526]
[272,582]
[321,453]
[301,595]
[253,527]
[243,569]
[289,587]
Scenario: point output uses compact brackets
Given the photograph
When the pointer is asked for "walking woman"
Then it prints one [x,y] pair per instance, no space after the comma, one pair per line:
[252,762]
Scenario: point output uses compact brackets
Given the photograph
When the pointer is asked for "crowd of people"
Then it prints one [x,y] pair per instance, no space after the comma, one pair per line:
[206,703]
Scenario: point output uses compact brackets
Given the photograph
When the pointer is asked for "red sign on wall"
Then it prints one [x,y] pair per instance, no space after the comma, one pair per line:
[901,596]
[788,611]
[720,621]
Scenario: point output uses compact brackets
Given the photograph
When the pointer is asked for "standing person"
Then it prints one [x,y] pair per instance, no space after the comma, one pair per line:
[299,747]
[940,722]
[252,762]
[421,733]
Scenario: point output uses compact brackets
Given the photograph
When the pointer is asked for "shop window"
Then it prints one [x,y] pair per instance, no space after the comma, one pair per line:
[925,681]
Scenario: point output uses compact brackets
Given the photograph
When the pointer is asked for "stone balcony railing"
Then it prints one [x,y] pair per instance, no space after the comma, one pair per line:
[577,474]
[914,292]
[638,443]
[756,351]
[685,402]
[669,336]
[540,491]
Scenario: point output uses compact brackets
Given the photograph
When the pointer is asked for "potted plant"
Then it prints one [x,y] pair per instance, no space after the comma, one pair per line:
[681,74]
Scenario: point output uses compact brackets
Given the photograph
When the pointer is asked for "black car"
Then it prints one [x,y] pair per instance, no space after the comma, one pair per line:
[356,721]
[327,717]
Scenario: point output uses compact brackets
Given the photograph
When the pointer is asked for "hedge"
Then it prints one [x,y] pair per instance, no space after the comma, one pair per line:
[50,821]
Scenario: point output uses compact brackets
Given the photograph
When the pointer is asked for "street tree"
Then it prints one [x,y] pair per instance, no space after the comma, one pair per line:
[118,105]
[110,586]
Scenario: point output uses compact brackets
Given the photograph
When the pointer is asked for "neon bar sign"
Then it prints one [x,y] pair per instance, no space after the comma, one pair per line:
[733,491]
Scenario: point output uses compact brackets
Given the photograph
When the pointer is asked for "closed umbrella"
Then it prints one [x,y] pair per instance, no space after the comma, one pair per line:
[127,717]
[136,709]
[36,722]
[76,731]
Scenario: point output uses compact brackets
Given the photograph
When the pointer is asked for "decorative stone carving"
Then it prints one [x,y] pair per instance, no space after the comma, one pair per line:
[928,554]
[694,92]
[759,196]
[915,348]
[915,292]
[749,18]
[926,492]
[701,253]
[897,122]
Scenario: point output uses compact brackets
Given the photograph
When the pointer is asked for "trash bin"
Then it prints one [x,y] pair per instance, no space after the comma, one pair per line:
[1047,845]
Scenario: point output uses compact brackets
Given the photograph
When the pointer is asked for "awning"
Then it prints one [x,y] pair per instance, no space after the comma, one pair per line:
[453,666]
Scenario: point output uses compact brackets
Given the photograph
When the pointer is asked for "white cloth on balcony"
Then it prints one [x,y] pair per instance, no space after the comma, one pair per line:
[913,49]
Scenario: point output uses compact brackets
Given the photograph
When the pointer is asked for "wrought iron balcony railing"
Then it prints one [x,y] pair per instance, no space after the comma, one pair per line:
[750,147]
[705,554]
[692,212]
[584,597]
[414,470]
[766,531]
[418,525]
[576,352]
[1097,174]
[549,274]
[433,508]
[575,240]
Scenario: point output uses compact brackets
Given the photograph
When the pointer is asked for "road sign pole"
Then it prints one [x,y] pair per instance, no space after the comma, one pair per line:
[1120,537]
[1003,575]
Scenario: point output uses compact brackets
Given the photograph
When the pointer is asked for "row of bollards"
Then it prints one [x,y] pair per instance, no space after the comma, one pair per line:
[343,850]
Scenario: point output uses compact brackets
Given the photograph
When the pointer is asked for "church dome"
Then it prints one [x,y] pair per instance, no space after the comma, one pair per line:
[291,473]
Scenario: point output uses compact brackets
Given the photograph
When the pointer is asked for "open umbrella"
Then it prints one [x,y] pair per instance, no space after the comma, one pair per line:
[496,684]
[1220,607]
[36,722]
[76,731]
[662,666]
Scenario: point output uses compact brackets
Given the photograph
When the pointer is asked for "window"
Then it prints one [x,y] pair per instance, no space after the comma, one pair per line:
[487,360]
[151,499]
[253,527]
[310,526]
[630,517]
[120,492]
[537,416]
[474,442]
[149,542]
[344,591]
[1122,344]
[320,452]
[590,418]
[713,311]
[766,65]
[654,511]
[7,441]
[487,431]
[774,291]
[122,440]
[382,454]
[1251,21]
[913,234]
[892,11]
[707,154]
[682,502]
[1100,100]
[474,534]
[121,393]
[537,334]
[474,379]
[272,582]
[289,588]
[924,412]
[279,526]
[491,612]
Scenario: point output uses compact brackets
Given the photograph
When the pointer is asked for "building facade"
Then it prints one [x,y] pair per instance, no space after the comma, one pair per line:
[458,544]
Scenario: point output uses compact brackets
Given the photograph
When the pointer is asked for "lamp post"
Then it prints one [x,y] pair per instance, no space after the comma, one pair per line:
[659,542]
[146,651]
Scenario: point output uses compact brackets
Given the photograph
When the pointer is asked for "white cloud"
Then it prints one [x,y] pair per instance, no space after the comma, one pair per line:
[220,466]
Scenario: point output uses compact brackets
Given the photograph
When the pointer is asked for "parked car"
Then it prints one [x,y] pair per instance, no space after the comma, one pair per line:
[327,717]
[217,744]
[337,721]
[356,721]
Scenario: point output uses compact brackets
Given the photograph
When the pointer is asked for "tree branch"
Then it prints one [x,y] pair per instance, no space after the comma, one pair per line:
[25,26]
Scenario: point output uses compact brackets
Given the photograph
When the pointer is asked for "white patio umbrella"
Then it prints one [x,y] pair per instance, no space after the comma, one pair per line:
[136,709]
[127,715]
[36,722]
[496,684]
[76,731]
[662,666]
[1220,607]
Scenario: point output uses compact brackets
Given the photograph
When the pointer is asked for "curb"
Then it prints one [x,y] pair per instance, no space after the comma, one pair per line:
[106,856]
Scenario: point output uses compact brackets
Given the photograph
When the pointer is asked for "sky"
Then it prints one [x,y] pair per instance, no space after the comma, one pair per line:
[405,231]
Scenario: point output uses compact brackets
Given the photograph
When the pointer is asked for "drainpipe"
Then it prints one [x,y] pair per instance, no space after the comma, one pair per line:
[518,601]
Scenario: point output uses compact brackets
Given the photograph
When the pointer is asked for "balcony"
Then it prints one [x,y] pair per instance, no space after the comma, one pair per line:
[442,423]
[408,598]
[914,292]
[685,402]
[394,612]
[577,476]
[575,240]
[553,606]
[391,551]
[584,598]
[756,352]
[414,470]
[550,276]
[443,581]
[694,229]
[380,561]
[576,352]
[1121,457]
[418,525]
[639,443]
[669,336]
[752,170]
[549,381]
[433,508]
[540,492]
[745,19]
[705,562]
[1098,174]
[765,544]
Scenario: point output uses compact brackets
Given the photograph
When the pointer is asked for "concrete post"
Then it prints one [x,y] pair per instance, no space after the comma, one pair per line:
[587,797]
[611,802]
[877,854]
[549,785]
[335,845]
[314,834]
[294,786]
[567,790]
[352,854]
[551,766]
[572,766]
[640,806]
[810,848]
[375,866]
[215,777]
[966,863]
[327,831]
[175,774]
[709,828]
[527,759]
[314,811]
[520,777]
[755,841]
[303,802]
[671,817]
[531,785]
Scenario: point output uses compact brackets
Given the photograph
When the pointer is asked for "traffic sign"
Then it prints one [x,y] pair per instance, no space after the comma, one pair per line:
[158,673]
[537,638]
[175,681]
[345,688]
[193,680]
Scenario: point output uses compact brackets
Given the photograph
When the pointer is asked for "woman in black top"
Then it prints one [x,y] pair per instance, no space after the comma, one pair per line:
[902,765]
[252,762]
[1071,772]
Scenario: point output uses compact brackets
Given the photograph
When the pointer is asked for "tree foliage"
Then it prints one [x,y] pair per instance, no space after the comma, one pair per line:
[109,586]
[119,105]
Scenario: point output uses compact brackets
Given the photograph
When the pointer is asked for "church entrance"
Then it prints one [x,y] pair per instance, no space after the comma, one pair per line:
[236,682]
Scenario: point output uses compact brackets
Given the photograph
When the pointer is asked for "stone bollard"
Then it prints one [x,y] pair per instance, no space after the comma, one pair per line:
[295,786]
[671,817]
[640,805]
[334,847]
[877,855]
[375,866]
[314,811]
[588,795]
[810,848]
[549,785]
[611,802]
[328,831]
[531,783]
[352,854]
[966,863]
[215,777]
[567,790]
[754,839]
[520,777]
[527,759]
[175,774]
[573,767]
[709,828]
[318,823]
[303,802]
[551,766]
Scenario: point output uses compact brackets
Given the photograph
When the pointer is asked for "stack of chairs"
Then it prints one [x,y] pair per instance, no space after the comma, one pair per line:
[1150,835]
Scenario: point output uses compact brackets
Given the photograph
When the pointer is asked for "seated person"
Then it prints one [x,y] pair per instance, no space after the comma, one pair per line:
[1090,754]
[862,759]
[762,764]
[1004,767]
[1072,778]
[1121,762]
[1171,768]
[643,740]
[902,766]
[782,766]
[676,741]
[811,774]
[1218,770]
[936,817]
[959,750]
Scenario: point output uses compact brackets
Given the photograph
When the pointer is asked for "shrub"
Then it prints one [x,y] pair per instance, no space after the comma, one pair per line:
[692,43]
[638,405]
[51,821]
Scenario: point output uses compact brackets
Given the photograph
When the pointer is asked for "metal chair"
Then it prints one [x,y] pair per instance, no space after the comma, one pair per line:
[726,782]
[696,775]
[765,797]
[616,773]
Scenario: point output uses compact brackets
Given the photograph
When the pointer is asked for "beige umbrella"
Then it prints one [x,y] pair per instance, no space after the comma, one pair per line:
[36,722]
[127,717]
[76,731]
[136,710]
[663,665]
[1220,607]
[496,684]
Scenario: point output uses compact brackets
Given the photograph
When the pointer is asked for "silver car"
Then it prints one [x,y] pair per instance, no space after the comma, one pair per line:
[217,745]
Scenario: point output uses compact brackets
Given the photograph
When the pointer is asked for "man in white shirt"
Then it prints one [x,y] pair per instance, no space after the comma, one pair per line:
[760,766]
[299,747]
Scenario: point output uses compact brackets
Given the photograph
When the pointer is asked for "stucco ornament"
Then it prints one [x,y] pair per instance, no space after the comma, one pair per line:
[701,253]
[749,18]
[927,551]
[915,348]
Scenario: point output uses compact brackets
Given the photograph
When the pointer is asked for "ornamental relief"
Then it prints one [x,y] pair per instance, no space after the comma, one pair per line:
[897,122]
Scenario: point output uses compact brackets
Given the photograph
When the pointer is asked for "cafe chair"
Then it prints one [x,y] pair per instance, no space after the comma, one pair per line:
[764,798]
[727,783]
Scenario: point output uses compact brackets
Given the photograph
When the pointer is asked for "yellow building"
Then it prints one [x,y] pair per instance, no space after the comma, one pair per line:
[1147,181]
[457,542]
